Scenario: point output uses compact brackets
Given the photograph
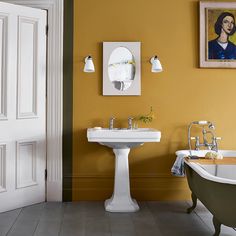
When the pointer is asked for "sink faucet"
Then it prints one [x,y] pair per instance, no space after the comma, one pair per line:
[130,119]
[111,123]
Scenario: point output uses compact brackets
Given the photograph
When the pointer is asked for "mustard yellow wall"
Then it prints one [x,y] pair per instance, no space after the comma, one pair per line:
[179,95]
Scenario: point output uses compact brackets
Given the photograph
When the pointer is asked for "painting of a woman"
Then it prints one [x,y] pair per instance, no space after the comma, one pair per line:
[221,47]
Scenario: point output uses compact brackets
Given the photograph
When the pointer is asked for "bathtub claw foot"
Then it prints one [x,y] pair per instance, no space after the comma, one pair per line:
[194,199]
[217,226]
[190,209]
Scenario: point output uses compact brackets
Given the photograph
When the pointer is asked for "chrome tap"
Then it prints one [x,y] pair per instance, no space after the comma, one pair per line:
[130,119]
[111,123]
[215,144]
[211,146]
[197,142]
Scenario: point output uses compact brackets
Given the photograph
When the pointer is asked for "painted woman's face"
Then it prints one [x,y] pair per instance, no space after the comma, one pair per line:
[228,24]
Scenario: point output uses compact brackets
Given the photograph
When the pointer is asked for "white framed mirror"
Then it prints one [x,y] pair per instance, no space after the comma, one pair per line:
[121,68]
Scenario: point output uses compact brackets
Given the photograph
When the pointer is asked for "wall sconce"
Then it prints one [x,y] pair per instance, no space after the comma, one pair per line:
[156,65]
[89,66]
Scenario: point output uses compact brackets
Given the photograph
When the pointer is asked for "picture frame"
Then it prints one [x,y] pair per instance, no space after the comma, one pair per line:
[217,34]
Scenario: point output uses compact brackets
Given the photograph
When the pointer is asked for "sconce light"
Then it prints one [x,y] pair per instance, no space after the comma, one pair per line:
[89,66]
[156,64]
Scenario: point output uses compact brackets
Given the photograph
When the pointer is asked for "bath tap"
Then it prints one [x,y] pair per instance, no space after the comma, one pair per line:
[215,144]
[197,142]
[111,123]
[130,119]
[211,146]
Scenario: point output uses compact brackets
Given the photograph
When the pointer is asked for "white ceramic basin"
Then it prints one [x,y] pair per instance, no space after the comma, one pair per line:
[121,140]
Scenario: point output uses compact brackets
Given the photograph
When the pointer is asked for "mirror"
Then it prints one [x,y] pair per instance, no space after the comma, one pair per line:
[121,68]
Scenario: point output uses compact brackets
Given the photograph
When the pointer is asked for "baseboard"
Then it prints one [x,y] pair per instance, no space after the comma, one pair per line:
[144,187]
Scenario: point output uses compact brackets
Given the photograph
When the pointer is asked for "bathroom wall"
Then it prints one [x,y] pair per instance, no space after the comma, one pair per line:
[183,92]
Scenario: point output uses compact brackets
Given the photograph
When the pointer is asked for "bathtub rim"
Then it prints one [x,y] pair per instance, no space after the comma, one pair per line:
[229,153]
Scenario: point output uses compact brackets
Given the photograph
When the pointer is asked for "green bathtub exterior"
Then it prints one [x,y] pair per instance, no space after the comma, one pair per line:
[218,198]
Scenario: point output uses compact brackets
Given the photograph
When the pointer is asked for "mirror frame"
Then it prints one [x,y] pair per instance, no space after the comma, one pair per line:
[108,88]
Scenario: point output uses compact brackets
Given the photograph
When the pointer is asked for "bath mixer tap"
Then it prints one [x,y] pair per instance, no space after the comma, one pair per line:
[213,145]
[130,119]
[111,123]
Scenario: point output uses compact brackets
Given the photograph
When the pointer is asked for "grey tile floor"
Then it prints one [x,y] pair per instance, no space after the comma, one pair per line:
[90,219]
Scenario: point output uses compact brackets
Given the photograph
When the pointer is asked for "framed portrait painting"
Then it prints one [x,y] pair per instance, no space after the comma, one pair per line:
[217,34]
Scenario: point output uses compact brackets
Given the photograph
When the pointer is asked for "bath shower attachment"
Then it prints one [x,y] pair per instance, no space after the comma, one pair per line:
[207,129]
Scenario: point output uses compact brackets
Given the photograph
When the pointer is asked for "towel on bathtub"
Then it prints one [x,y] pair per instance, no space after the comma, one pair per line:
[178,167]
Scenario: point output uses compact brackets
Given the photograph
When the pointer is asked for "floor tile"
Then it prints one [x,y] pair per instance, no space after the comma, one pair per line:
[48,228]
[7,219]
[72,228]
[23,228]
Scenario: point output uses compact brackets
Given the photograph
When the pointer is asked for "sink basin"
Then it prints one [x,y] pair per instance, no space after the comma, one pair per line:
[121,140]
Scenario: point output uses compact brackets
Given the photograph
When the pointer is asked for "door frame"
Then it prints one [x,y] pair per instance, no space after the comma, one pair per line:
[54,84]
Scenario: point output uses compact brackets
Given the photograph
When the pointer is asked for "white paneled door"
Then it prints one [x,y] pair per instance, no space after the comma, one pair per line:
[22,106]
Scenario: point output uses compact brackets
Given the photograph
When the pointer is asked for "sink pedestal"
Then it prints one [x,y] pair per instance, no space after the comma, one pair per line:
[121,140]
[121,200]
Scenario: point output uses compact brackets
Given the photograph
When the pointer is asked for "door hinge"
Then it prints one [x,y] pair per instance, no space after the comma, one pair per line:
[46,30]
[46,174]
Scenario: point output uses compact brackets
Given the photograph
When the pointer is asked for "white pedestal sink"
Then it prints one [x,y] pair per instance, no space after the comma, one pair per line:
[121,140]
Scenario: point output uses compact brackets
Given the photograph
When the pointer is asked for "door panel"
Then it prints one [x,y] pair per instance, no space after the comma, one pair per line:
[3,76]
[2,167]
[27,66]
[22,106]
[26,164]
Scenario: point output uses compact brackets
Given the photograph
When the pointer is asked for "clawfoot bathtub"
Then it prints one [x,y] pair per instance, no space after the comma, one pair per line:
[215,186]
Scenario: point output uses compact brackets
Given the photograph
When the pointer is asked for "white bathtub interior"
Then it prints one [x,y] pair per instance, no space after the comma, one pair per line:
[222,171]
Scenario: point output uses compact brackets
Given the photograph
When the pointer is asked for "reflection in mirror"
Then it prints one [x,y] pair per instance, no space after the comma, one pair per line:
[121,68]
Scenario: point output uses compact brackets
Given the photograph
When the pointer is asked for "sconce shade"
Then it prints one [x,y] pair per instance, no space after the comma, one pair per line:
[89,66]
[156,65]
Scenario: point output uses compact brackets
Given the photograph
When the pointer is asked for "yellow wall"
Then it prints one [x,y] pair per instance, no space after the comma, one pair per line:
[179,95]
